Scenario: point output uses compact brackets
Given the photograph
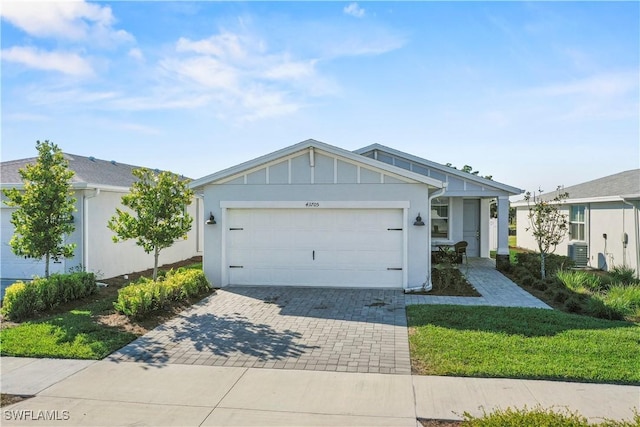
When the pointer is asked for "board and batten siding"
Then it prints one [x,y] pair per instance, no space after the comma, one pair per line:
[456,186]
[317,181]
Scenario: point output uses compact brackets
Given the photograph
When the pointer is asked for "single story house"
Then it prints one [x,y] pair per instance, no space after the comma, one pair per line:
[98,187]
[317,215]
[603,222]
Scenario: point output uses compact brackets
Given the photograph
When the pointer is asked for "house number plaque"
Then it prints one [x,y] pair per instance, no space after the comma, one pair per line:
[312,204]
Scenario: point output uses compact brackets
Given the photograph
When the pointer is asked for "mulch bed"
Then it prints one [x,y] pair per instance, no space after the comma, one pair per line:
[10,399]
[460,288]
[439,423]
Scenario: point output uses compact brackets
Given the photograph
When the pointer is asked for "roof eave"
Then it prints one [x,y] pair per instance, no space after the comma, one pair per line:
[311,143]
[445,169]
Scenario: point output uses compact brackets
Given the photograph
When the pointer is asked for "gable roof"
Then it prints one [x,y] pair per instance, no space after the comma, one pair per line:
[89,172]
[305,145]
[613,187]
[447,170]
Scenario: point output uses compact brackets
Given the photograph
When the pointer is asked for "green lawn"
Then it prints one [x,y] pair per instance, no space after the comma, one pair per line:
[73,334]
[522,343]
[76,333]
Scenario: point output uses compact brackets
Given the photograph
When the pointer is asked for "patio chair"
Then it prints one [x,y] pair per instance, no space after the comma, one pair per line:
[461,250]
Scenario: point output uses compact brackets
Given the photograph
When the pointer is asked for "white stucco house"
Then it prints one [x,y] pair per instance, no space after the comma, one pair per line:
[317,215]
[98,187]
[603,222]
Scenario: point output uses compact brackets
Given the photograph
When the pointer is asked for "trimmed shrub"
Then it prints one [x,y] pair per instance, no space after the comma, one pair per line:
[621,274]
[596,307]
[624,300]
[580,281]
[553,262]
[23,300]
[573,305]
[540,285]
[145,296]
[539,417]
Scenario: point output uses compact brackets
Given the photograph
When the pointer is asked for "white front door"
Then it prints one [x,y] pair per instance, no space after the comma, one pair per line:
[471,227]
[318,247]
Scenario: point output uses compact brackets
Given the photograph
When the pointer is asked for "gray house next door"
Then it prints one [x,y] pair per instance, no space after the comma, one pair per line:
[471,227]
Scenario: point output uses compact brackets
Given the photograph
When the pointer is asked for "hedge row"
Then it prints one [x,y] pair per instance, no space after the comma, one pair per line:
[24,299]
[145,296]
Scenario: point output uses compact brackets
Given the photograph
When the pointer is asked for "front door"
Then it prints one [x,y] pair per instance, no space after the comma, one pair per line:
[471,227]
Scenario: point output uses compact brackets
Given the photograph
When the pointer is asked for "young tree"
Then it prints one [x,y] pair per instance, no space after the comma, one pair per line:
[159,217]
[45,207]
[548,224]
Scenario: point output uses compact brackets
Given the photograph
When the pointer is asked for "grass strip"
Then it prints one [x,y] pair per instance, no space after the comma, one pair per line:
[522,343]
[70,335]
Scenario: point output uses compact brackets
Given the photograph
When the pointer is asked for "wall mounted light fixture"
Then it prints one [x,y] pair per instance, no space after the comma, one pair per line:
[211,220]
[419,222]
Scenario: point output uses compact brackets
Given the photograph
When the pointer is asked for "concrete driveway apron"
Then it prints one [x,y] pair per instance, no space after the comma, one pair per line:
[343,330]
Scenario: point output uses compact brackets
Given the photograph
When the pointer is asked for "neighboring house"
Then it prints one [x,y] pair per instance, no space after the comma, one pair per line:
[603,222]
[316,215]
[98,186]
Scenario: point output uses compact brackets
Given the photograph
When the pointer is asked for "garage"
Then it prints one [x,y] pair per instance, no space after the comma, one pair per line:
[315,247]
[316,215]
[16,267]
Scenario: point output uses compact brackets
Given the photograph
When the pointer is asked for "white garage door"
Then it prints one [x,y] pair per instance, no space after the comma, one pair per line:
[15,267]
[316,247]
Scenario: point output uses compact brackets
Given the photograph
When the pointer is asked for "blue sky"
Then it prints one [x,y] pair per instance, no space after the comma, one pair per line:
[536,94]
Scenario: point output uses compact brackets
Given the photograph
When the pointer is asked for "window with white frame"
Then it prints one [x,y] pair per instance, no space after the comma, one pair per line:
[577,223]
[440,218]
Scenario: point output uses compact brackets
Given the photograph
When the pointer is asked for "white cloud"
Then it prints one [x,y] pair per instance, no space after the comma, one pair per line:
[71,20]
[206,71]
[354,10]
[64,62]
[602,85]
[136,54]
[26,117]
[285,69]
[241,76]
[225,45]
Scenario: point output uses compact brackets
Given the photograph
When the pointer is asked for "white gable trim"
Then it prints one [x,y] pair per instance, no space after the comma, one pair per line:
[297,150]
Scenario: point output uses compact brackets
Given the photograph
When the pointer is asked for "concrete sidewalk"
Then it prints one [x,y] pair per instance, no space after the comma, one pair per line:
[126,393]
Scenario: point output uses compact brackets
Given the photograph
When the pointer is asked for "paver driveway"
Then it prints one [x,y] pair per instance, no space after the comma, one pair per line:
[348,330]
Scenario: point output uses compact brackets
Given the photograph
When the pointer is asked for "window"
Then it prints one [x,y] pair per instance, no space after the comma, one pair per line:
[440,218]
[577,222]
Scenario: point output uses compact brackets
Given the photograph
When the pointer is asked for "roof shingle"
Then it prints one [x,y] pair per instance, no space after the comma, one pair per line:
[88,170]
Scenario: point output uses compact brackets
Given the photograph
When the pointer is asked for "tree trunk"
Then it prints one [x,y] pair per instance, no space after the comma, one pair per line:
[46,266]
[542,265]
[155,264]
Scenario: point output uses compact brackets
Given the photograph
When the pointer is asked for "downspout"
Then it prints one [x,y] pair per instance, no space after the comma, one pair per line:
[427,285]
[85,234]
[636,232]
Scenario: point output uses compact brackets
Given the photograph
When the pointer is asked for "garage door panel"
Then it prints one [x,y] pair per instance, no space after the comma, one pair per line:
[320,247]
[18,267]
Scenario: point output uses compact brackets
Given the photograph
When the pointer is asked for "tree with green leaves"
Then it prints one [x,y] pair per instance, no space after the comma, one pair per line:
[157,216]
[469,169]
[548,224]
[45,206]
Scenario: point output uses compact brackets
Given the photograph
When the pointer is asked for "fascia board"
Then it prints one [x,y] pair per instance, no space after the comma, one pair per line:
[585,200]
[259,161]
[442,168]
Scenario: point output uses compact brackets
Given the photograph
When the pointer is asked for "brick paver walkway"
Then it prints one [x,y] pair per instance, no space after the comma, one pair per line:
[344,330]
[495,288]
